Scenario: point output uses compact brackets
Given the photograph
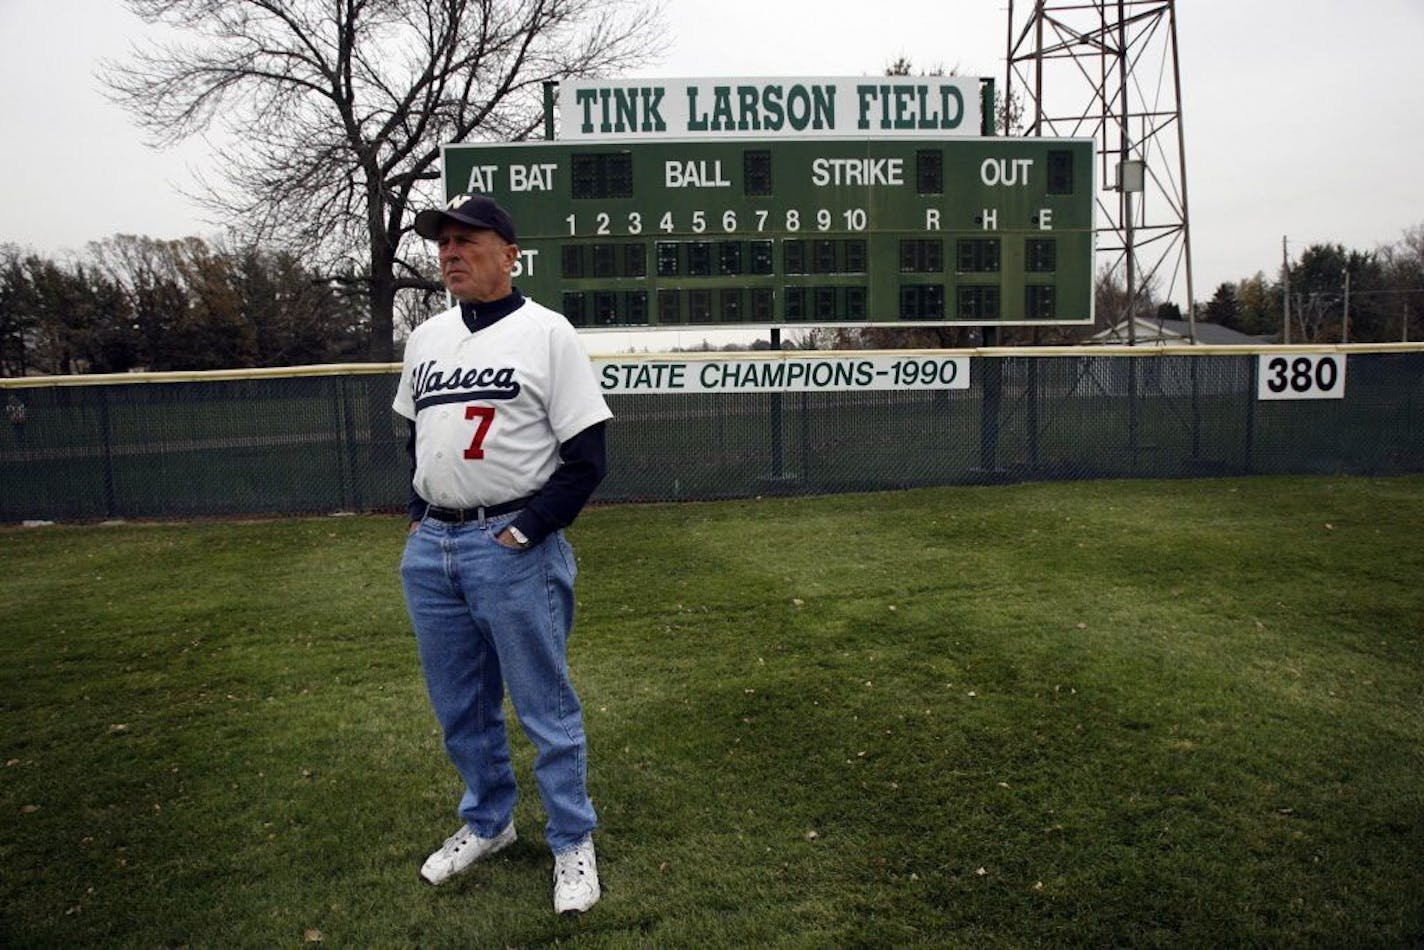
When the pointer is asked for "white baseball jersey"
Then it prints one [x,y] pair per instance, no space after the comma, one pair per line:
[492,407]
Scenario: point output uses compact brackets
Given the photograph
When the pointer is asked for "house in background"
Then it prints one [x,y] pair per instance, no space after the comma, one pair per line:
[1150,331]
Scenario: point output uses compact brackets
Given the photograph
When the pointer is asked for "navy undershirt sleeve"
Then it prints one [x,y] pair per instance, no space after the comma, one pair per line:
[416,506]
[583,461]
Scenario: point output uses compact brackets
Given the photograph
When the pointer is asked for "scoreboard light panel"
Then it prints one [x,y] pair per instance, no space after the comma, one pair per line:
[796,233]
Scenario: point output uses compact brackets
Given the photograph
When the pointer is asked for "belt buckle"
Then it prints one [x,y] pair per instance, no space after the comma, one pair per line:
[452,515]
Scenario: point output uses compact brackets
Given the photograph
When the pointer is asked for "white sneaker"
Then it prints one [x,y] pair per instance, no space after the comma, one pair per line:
[576,879]
[461,850]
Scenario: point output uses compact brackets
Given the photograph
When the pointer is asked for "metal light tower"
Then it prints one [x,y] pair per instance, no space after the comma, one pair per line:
[1108,69]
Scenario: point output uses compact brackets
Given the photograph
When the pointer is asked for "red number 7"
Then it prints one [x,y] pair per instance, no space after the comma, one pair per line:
[486,415]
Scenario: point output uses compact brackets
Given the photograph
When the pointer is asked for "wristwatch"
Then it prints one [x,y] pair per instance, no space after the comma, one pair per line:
[519,536]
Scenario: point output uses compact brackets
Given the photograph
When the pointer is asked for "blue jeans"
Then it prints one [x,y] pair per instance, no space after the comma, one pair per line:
[487,618]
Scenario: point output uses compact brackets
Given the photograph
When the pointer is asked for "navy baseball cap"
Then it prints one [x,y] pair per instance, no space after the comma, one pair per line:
[476,211]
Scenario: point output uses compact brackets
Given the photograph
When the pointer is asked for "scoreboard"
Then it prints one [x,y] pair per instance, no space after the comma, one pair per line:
[796,232]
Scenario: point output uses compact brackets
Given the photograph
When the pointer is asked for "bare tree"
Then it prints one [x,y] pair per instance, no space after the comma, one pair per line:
[1112,305]
[337,108]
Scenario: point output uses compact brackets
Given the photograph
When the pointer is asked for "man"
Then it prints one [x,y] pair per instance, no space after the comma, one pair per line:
[507,441]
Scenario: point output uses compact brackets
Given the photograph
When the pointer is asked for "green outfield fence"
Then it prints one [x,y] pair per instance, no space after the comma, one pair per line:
[323,439]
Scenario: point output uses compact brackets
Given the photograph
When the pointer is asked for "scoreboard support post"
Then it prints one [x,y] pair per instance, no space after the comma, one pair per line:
[778,445]
[986,106]
[991,376]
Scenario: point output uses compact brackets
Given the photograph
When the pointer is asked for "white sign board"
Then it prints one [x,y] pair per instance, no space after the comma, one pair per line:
[782,374]
[1301,376]
[856,107]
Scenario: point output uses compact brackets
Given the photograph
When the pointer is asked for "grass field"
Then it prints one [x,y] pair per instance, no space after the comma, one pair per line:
[1183,713]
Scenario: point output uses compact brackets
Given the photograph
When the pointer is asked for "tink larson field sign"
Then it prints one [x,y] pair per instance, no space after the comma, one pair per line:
[677,203]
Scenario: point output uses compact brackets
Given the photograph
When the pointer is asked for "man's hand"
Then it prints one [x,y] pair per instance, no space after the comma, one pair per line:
[414,526]
[509,540]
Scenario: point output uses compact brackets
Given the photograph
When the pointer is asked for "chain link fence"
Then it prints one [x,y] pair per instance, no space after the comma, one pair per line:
[324,439]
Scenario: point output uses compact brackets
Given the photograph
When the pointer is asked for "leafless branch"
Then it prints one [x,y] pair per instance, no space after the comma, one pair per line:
[334,111]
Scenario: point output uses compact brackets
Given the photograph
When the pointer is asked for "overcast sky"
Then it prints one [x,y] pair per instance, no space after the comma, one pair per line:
[1303,118]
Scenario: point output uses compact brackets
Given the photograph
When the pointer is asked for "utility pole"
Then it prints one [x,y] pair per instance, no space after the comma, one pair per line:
[1285,291]
[1345,317]
[1124,153]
